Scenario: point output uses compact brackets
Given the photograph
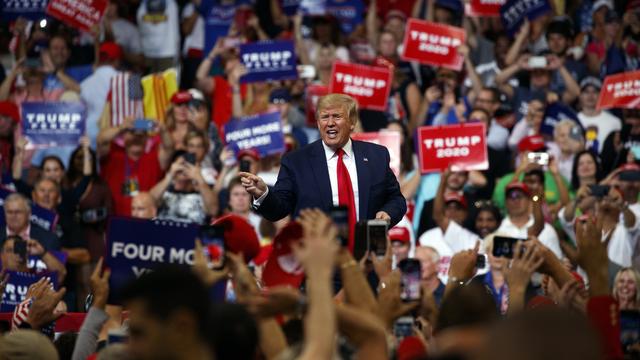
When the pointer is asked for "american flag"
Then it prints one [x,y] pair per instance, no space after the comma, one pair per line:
[125,97]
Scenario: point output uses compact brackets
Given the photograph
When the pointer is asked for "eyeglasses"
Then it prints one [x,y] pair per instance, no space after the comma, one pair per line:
[483,203]
[515,195]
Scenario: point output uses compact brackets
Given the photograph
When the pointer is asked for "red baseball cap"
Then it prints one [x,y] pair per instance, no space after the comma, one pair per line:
[454,196]
[411,348]
[252,153]
[10,109]
[181,97]
[629,167]
[109,51]
[517,186]
[282,266]
[399,233]
[263,255]
[239,236]
[531,143]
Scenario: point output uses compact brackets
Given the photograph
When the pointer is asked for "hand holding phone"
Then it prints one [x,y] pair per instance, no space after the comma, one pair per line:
[377,237]
[212,238]
[411,270]
[340,217]
[503,246]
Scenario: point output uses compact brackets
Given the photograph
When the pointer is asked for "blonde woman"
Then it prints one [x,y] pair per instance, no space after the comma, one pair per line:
[625,289]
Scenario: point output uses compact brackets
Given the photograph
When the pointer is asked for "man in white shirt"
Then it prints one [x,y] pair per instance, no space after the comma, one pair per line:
[449,237]
[95,89]
[519,219]
[159,25]
[592,119]
[124,33]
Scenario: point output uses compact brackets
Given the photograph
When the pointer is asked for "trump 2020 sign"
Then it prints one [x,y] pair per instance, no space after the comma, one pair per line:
[463,147]
[433,44]
[620,91]
[369,85]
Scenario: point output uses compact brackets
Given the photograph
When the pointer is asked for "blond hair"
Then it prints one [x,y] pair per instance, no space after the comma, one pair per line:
[348,104]
[636,278]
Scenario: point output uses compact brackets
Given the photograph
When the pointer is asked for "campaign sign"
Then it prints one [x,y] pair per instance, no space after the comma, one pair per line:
[53,124]
[80,14]
[433,44]
[369,85]
[262,132]
[16,290]
[136,246]
[40,216]
[29,9]
[461,146]
[478,8]
[513,13]
[313,7]
[290,7]
[620,91]
[388,139]
[312,96]
[268,60]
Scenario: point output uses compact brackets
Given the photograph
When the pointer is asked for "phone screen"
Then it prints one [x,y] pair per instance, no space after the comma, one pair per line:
[190,158]
[212,237]
[410,280]
[629,328]
[503,246]
[539,158]
[340,217]
[403,327]
[245,166]
[143,124]
[481,261]
[599,191]
[377,236]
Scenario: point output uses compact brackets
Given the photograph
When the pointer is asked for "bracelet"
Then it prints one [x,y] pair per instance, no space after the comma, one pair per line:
[348,264]
[455,281]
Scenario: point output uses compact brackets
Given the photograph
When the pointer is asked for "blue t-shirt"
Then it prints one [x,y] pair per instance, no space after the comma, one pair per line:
[77,73]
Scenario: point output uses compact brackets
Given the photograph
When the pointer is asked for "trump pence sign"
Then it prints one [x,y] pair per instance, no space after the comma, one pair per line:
[433,44]
[462,146]
[369,85]
[620,91]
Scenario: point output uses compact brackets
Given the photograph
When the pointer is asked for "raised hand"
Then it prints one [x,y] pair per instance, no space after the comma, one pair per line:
[43,308]
[202,269]
[319,242]
[526,261]
[463,264]
[390,305]
[253,184]
[99,281]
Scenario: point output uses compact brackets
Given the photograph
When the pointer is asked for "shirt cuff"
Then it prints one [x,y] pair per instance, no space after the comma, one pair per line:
[257,202]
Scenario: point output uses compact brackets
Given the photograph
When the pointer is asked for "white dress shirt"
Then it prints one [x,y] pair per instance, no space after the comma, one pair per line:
[332,166]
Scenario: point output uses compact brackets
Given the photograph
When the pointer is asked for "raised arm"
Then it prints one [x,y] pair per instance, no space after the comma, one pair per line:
[563,191]
[166,146]
[356,288]
[204,81]
[5,87]
[52,263]
[234,80]
[106,136]
[162,186]
[372,24]
[503,77]
[438,203]
[18,158]
[516,48]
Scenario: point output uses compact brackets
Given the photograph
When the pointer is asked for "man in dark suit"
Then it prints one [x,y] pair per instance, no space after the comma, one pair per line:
[17,213]
[332,171]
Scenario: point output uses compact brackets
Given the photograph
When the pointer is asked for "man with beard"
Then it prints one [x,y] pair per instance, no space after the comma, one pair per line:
[132,162]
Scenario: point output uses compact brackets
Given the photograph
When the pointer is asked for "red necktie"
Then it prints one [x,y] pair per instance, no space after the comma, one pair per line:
[345,196]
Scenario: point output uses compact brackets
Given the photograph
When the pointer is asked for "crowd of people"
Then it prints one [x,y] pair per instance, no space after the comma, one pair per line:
[570,189]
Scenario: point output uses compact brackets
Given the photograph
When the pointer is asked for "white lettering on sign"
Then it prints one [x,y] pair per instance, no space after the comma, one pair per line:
[436,44]
[267,59]
[359,85]
[452,146]
[625,88]
[53,121]
[518,9]
[138,251]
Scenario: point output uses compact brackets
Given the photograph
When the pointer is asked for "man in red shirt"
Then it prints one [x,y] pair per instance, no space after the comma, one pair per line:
[131,161]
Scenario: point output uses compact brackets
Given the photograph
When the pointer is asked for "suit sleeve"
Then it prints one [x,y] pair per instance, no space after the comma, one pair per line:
[281,199]
[396,205]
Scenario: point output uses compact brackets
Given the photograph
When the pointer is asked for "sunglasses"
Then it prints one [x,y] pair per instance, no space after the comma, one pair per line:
[515,195]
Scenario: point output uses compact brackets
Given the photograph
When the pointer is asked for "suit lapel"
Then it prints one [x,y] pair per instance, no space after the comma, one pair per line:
[321,174]
[364,176]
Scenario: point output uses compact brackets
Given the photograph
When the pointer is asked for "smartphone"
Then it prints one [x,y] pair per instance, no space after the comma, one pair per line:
[190,158]
[377,237]
[117,336]
[306,71]
[629,175]
[143,124]
[537,62]
[33,62]
[340,217]
[503,246]
[599,191]
[245,166]
[212,238]
[629,328]
[411,270]
[20,249]
[403,327]
[540,158]
[481,261]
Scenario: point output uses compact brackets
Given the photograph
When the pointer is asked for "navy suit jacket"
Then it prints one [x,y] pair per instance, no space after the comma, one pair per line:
[303,182]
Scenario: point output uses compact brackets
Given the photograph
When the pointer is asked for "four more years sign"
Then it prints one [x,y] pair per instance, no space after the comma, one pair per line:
[462,147]
[135,246]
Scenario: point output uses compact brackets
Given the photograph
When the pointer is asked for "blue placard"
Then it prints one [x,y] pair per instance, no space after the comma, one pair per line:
[217,20]
[513,13]
[556,112]
[268,60]
[40,216]
[54,123]
[313,7]
[16,290]
[136,246]
[290,7]
[29,9]
[259,132]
